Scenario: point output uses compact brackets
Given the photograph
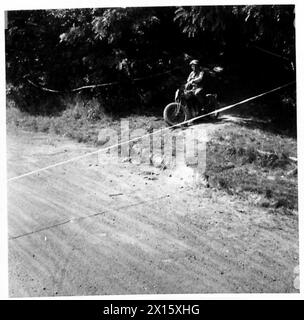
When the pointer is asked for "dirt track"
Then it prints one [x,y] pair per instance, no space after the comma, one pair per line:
[94,228]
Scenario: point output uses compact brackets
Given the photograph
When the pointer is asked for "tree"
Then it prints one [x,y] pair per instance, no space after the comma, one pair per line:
[64,49]
[270,26]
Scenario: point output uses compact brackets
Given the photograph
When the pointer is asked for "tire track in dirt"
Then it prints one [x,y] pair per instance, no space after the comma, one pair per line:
[154,236]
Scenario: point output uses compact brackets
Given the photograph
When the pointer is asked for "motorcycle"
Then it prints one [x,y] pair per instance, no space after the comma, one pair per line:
[186,107]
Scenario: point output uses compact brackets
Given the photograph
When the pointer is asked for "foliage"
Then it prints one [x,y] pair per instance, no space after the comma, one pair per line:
[253,24]
[195,21]
[266,25]
[65,49]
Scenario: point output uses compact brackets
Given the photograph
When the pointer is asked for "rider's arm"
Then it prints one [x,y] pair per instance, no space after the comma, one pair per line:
[199,78]
[190,77]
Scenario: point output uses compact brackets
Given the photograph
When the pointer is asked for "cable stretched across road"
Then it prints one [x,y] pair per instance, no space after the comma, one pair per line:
[150,133]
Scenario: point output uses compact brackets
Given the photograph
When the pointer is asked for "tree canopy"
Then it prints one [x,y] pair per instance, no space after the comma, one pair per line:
[65,49]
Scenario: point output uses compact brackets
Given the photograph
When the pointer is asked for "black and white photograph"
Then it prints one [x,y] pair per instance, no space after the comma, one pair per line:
[151,150]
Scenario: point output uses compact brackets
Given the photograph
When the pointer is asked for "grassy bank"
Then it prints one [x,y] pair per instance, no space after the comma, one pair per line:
[254,165]
[76,123]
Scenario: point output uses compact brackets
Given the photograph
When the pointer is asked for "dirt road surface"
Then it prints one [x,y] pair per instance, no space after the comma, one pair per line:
[98,226]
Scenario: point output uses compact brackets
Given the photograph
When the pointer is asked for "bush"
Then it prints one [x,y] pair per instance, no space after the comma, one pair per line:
[34,101]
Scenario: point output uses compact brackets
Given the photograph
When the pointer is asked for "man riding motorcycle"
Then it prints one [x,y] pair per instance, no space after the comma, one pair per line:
[195,81]
[191,100]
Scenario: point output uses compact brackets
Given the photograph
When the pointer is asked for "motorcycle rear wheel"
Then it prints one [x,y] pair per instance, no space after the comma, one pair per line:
[215,106]
[214,116]
[172,118]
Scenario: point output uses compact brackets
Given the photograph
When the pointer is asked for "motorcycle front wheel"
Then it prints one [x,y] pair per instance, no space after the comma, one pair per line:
[175,113]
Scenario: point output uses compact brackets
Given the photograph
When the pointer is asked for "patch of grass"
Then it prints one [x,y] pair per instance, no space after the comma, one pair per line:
[68,124]
[78,121]
[250,162]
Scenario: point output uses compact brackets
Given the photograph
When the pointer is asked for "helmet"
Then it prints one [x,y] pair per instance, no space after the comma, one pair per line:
[195,62]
